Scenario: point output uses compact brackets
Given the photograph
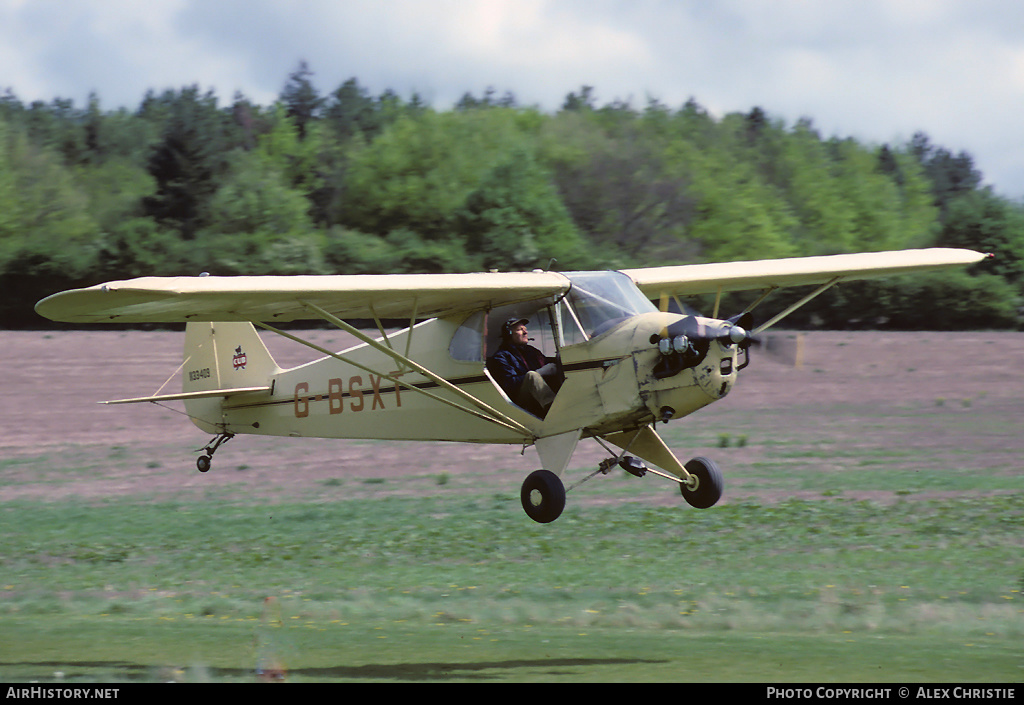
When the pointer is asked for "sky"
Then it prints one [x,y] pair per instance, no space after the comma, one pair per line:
[875,70]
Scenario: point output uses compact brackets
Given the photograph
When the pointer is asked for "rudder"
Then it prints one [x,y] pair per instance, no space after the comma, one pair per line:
[222,355]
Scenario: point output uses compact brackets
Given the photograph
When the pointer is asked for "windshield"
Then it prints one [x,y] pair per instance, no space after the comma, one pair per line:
[602,299]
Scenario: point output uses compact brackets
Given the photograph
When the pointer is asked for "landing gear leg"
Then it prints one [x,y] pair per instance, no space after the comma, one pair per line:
[203,462]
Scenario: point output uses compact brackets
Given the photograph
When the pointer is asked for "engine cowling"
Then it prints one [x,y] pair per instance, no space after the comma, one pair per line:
[696,363]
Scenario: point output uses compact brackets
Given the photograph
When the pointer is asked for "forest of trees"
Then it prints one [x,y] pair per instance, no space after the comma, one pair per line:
[348,182]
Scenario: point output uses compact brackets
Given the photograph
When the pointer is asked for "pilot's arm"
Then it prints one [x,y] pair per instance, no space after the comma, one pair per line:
[507,370]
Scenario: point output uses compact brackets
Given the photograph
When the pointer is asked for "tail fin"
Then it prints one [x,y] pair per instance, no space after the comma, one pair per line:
[222,356]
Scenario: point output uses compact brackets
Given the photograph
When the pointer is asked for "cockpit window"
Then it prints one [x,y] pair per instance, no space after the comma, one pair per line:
[596,302]
[467,343]
[479,336]
[602,299]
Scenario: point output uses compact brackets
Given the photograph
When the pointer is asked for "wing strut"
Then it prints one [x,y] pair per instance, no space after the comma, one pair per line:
[489,413]
[518,428]
[778,317]
[757,302]
[493,413]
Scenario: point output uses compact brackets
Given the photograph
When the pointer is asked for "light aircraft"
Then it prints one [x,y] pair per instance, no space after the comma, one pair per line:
[624,364]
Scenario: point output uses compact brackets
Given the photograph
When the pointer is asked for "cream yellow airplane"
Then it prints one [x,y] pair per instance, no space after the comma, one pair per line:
[614,363]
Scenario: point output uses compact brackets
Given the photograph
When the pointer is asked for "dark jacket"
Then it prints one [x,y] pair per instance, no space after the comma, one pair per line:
[511,363]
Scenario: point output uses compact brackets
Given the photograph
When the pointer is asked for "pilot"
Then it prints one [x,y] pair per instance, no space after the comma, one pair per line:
[522,370]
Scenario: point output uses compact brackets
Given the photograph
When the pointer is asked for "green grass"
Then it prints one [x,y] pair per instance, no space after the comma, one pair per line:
[396,651]
[457,587]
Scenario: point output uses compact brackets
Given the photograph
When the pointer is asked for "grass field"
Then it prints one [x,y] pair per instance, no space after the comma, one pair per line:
[465,588]
[858,541]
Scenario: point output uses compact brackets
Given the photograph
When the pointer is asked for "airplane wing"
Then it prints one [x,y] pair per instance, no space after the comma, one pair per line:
[284,298]
[690,279]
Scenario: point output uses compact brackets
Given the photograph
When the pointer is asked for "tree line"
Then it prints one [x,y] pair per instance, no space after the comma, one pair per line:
[351,182]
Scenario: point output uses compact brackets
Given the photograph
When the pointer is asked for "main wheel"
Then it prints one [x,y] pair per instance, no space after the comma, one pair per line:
[708,489]
[203,463]
[543,496]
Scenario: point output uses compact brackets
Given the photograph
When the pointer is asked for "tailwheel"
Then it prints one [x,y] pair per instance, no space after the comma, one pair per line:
[706,488]
[543,496]
[203,462]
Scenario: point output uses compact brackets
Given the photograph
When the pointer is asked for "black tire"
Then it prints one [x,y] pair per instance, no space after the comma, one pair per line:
[709,484]
[203,463]
[543,496]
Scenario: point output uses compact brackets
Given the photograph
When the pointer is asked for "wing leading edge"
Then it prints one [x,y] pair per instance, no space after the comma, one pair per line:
[690,279]
[285,298]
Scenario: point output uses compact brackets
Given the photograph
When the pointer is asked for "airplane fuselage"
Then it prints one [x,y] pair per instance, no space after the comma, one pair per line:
[610,384]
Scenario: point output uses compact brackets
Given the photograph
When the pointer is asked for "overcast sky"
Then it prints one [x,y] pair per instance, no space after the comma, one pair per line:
[876,70]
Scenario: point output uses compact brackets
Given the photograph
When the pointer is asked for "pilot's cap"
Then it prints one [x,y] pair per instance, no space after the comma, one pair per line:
[506,329]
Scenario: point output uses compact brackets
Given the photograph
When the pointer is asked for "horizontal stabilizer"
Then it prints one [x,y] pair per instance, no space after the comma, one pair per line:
[191,395]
